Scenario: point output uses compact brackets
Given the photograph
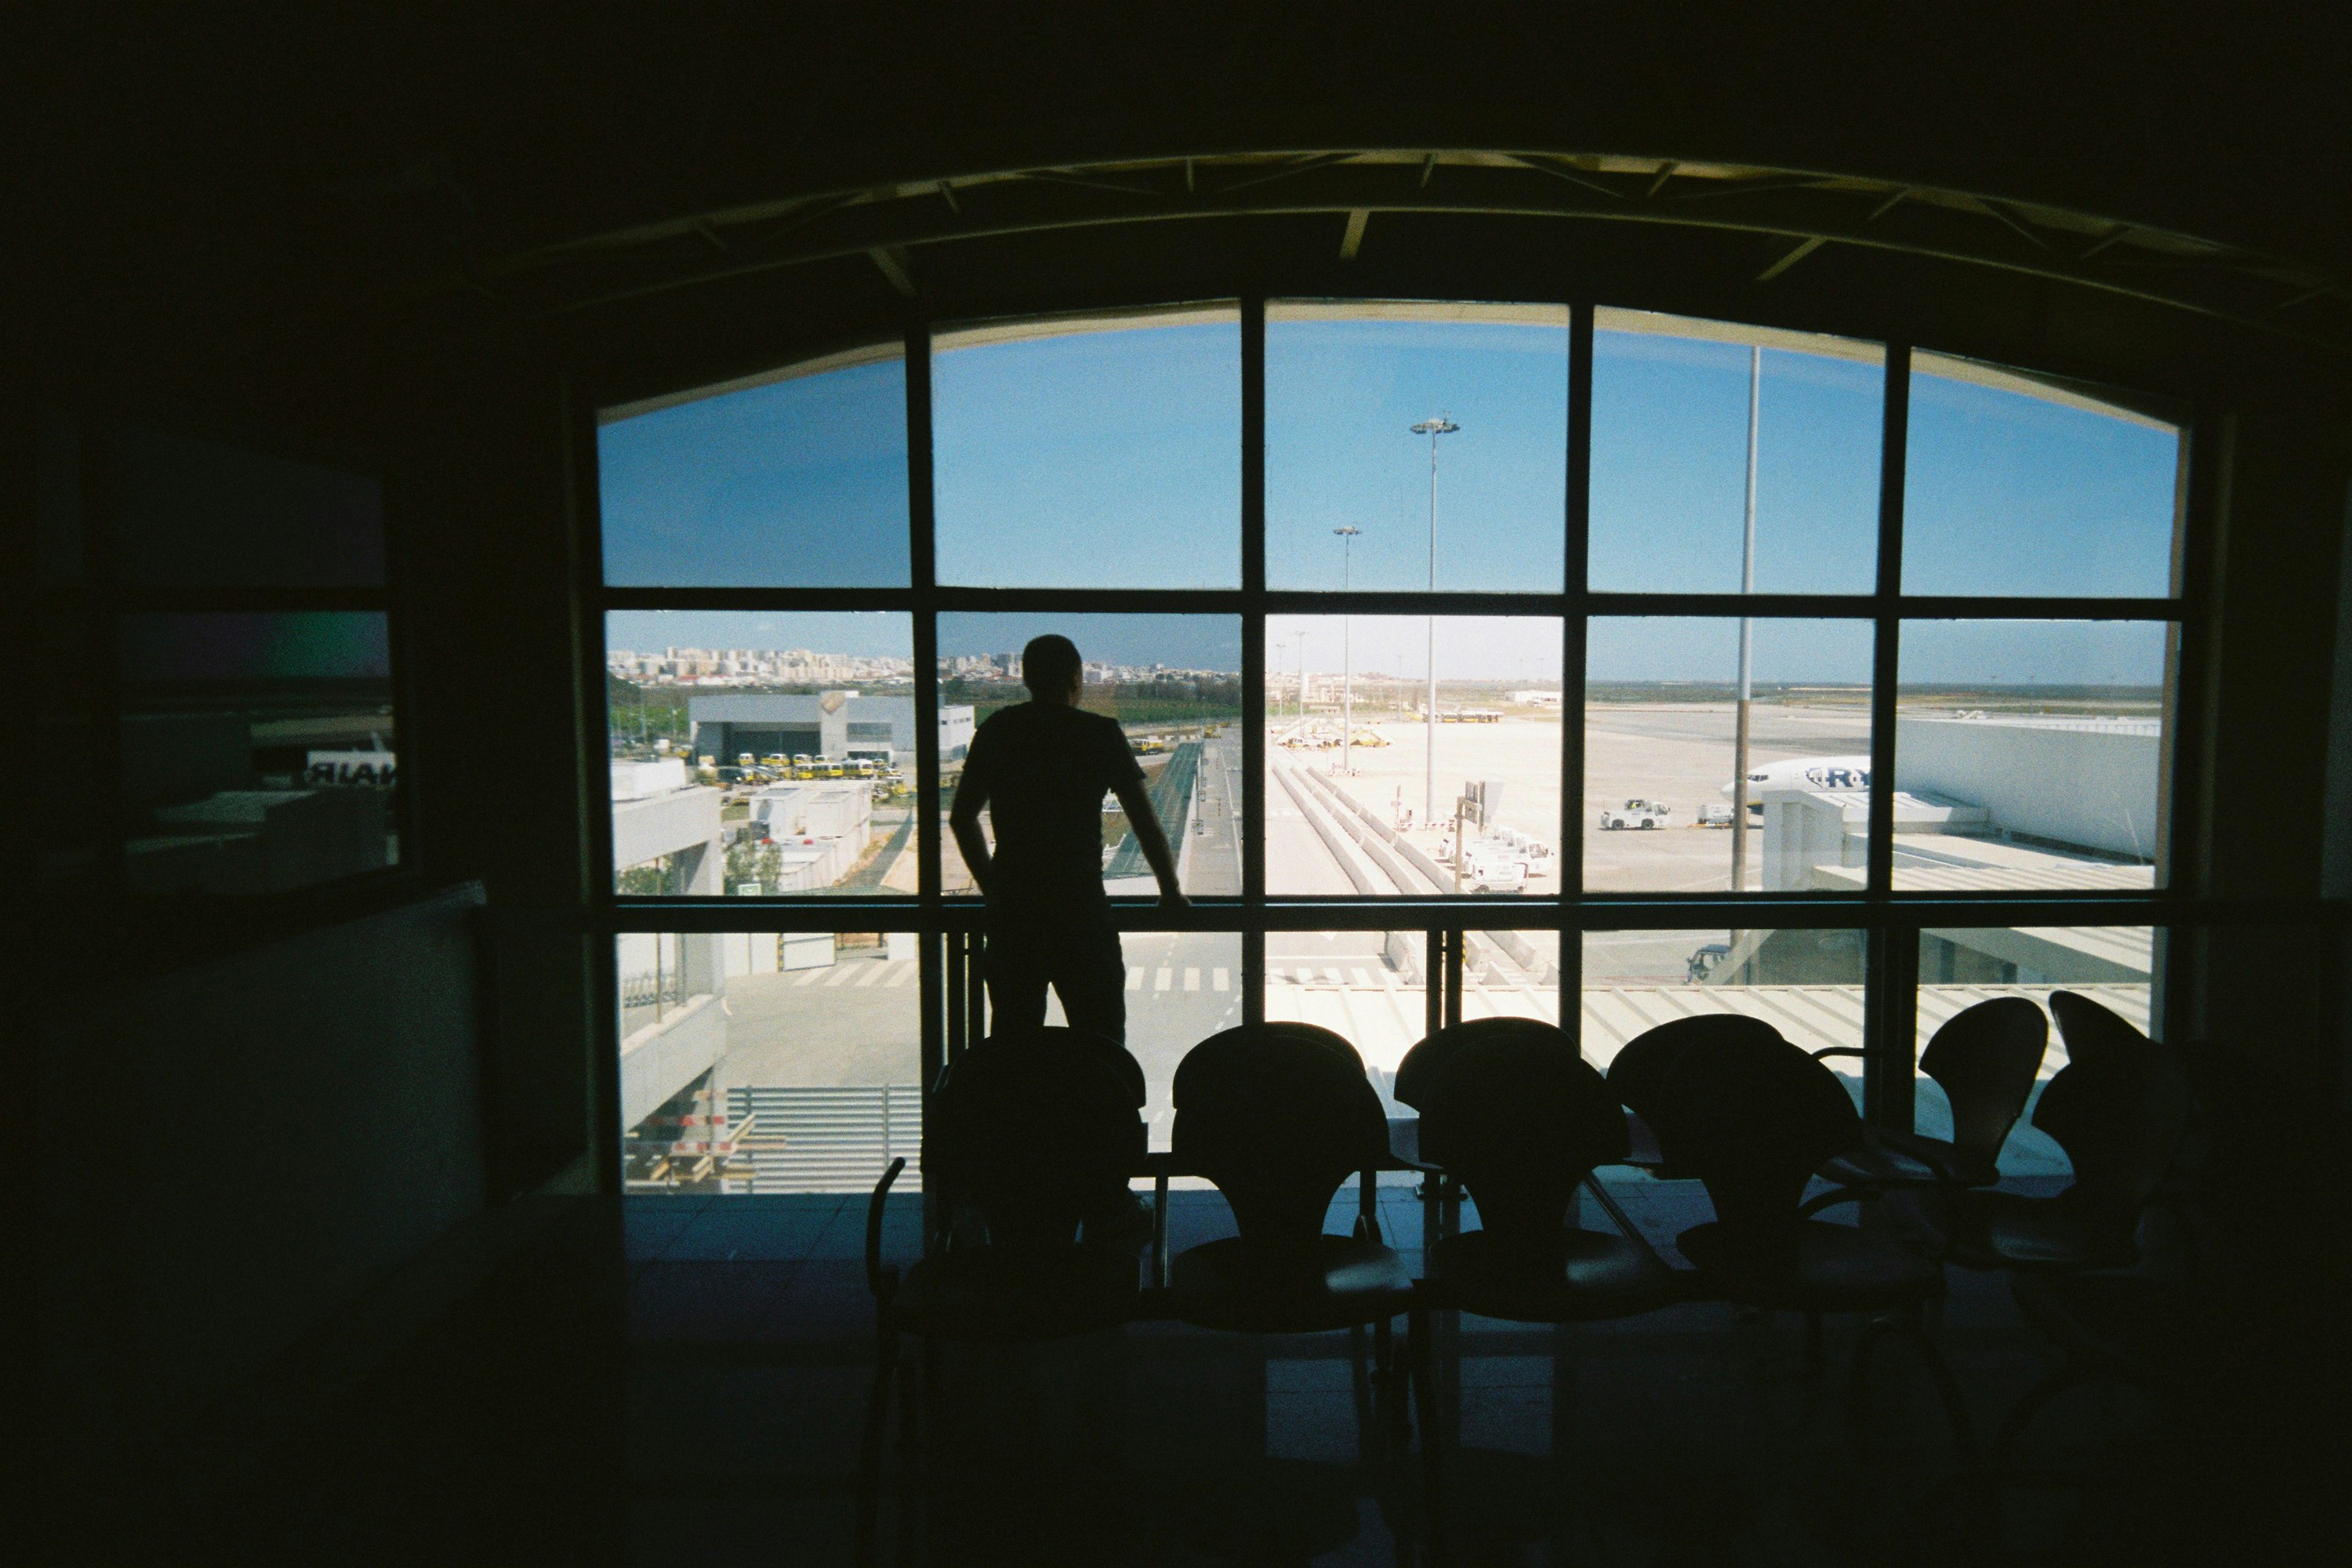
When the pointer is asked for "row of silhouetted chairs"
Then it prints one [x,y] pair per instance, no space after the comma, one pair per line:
[1026,1136]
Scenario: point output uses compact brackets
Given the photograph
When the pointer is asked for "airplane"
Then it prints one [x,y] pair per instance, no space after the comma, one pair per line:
[1806,773]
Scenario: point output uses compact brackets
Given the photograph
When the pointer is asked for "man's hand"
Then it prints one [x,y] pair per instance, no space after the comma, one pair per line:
[1170,898]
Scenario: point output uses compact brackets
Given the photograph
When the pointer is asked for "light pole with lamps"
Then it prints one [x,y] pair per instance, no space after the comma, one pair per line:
[1432,428]
[1347,533]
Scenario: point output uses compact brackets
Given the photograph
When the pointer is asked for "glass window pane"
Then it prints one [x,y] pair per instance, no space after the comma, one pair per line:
[1660,727]
[1346,384]
[2029,756]
[761,754]
[190,513]
[2112,965]
[1365,790]
[2014,485]
[1172,682]
[257,750]
[1671,404]
[797,478]
[767,1062]
[1103,453]
[1806,983]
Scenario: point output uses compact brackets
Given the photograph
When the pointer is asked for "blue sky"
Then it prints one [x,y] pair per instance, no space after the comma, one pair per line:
[1111,459]
[1342,398]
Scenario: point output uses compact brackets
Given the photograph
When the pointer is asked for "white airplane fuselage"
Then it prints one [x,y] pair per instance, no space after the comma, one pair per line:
[1806,773]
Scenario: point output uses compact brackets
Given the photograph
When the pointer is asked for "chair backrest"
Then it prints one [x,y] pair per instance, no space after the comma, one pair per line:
[1986,1059]
[1752,1118]
[1640,1070]
[1032,1126]
[2091,1030]
[1421,1063]
[1521,1119]
[2119,1115]
[1277,1115]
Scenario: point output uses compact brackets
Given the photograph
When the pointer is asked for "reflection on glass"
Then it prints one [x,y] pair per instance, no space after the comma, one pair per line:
[1103,453]
[2029,755]
[257,750]
[1367,792]
[1806,983]
[797,478]
[1959,967]
[2014,485]
[761,756]
[1346,384]
[1173,682]
[1661,744]
[1182,987]
[760,1062]
[1673,401]
[190,513]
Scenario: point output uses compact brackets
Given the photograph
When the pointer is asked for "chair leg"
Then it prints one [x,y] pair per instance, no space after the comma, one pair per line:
[2021,1414]
[1424,1402]
[869,1458]
[1948,1387]
[910,1460]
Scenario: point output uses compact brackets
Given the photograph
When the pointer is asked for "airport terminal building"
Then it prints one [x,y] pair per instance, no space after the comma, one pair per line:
[835,725]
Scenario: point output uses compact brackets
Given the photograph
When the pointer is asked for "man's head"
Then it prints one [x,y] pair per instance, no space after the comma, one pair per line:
[1051,668]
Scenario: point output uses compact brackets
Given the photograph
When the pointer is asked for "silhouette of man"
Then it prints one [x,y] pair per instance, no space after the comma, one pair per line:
[1040,768]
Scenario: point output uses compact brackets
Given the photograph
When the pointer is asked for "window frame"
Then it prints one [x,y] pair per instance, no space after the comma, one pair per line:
[947,928]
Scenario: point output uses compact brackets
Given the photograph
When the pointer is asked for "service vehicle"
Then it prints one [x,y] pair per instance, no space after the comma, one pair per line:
[1713,815]
[1492,865]
[1637,812]
[1704,961]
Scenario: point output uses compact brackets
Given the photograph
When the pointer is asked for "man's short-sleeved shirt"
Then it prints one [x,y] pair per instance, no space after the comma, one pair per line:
[1046,768]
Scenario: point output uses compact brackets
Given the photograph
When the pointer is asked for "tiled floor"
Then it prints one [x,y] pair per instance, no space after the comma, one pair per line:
[668,1381]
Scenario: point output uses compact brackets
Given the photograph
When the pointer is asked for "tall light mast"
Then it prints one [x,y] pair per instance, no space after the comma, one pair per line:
[1432,428]
[1747,637]
[1348,534]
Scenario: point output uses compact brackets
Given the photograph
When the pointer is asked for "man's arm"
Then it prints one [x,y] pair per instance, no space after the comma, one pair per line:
[1144,822]
[964,818]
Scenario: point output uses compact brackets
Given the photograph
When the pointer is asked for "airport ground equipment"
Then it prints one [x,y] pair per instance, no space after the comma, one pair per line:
[1713,815]
[1636,813]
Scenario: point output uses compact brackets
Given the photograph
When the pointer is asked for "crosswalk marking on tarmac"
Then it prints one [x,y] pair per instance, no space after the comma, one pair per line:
[902,973]
[1134,978]
[873,973]
[840,976]
[1191,980]
[1362,978]
[1164,980]
[1222,979]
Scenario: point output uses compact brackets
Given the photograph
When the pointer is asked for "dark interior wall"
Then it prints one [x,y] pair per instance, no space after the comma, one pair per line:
[482,442]
[233,1152]
[2277,658]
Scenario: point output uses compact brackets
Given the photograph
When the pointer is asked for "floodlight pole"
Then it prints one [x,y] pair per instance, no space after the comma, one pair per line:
[1347,533]
[1747,638]
[1432,428]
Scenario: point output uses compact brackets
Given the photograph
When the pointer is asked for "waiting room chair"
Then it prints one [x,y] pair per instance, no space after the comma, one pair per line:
[2120,1116]
[1277,1116]
[1520,1120]
[1640,1070]
[1985,1058]
[1753,1118]
[1030,1130]
[2091,1030]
